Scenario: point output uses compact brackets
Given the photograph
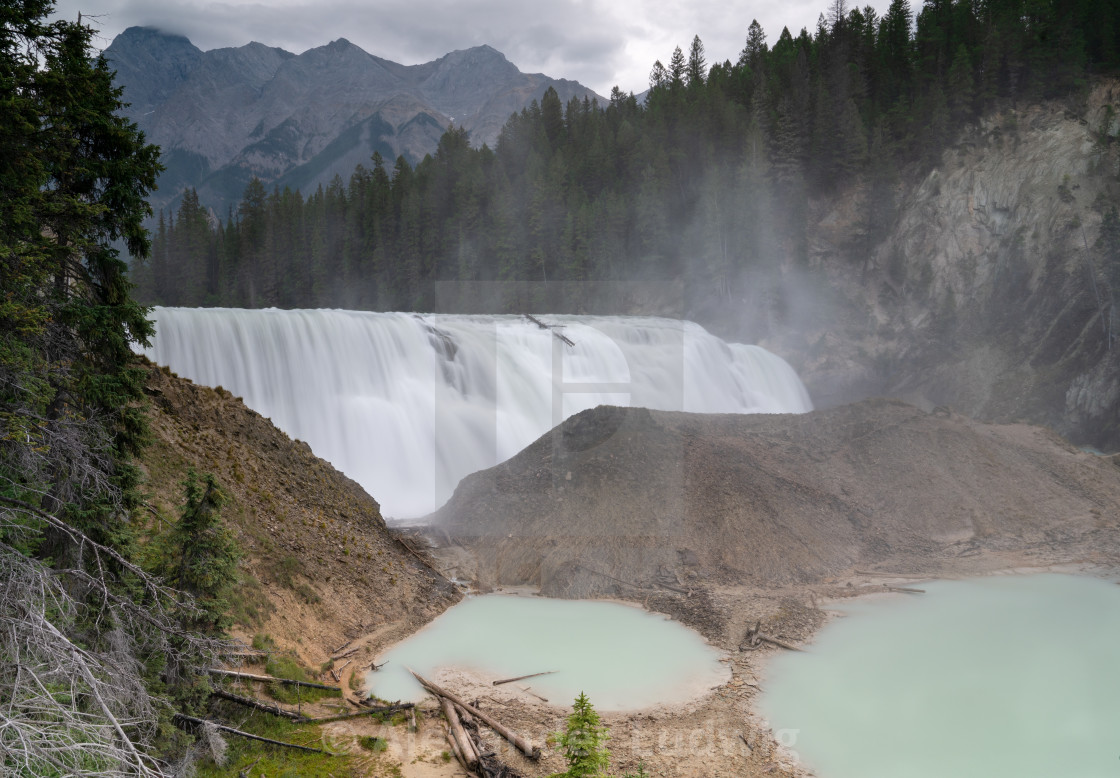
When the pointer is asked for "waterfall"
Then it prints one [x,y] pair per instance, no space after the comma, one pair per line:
[408,404]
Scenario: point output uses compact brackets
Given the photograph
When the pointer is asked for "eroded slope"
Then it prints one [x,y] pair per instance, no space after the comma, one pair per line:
[328,570]
[623,500]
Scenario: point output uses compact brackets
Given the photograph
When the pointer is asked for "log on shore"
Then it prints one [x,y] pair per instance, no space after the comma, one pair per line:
[466,745]
[755,637]
[456,750]
[521,677]
[180,718]
[249,702]
[522,745]
[269,679]
[779,642]
[466,717]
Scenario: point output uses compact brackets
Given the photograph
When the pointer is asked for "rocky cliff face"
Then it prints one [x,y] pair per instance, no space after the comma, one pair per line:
[989,292]
[226,115]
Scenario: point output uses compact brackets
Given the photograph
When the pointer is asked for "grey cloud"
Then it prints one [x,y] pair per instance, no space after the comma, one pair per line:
[597,42]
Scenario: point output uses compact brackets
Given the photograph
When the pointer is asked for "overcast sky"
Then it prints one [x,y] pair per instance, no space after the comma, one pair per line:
[600,43]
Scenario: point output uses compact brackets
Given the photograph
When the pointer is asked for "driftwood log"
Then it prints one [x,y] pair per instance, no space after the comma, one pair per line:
[182,718]
[903,589]
[521,677]
[520,743]
[456,750]
[466,745]
[755,637]
[489,766]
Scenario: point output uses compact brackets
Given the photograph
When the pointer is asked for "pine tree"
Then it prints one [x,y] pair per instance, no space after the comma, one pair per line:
[658,76]
[252,230]
[583,742]
[201,553]
[696,71]
[552,117]
[677,68]
[755,48]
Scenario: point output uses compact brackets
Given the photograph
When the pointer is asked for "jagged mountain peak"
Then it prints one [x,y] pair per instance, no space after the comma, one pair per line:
[143,35]
[341,47]
[154,62]
[484,56]
[225,115]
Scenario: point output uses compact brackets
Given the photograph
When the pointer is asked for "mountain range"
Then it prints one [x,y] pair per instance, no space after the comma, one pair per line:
[226,115]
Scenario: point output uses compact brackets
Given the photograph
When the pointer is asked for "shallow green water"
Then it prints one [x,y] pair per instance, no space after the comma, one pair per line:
[621,656]
[1013,676]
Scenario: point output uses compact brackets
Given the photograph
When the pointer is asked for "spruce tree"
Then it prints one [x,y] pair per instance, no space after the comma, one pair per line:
[584,742]
[696,71]
[201,554]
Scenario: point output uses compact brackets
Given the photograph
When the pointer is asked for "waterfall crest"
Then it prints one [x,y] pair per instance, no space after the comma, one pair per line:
[408,404]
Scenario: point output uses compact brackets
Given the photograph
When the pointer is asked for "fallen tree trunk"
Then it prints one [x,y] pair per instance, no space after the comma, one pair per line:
[466,717]
[489,766]
[904,589]
[363,712]
[456,750]
[522,745]
[182,717]
[777,642]
[755,637]
[555,330]
[521,677]
[249,702]
[269,678]
[466,745]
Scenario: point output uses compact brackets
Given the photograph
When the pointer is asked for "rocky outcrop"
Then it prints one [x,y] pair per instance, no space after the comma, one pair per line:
[988,293]
[629,501]
[226,115]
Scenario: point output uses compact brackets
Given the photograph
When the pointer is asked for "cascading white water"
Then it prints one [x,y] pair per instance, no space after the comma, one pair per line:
[408,404]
